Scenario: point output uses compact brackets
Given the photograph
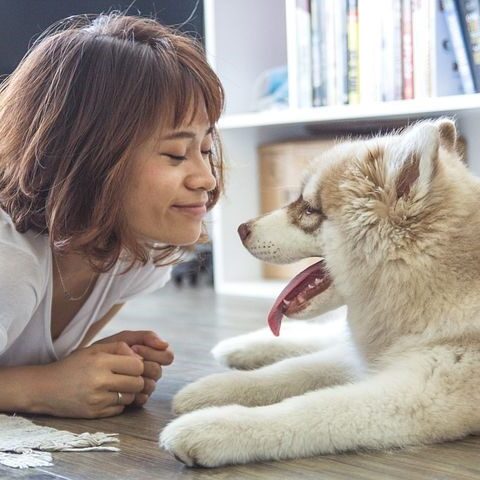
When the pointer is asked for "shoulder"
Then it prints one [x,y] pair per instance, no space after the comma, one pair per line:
[22,255]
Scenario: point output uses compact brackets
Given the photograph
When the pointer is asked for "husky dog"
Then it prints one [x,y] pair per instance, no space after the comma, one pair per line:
[396,222]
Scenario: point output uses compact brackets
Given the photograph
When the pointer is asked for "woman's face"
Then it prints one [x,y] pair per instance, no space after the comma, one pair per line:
[171,177]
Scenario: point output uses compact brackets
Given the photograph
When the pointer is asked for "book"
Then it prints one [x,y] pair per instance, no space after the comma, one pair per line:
[446,79]
[452,17]
[407,51]
[422,13]
[328,24]
[392,50]
[304,54]
[340,48]
[353,66]
[370,51]
[469,14]
[319,45]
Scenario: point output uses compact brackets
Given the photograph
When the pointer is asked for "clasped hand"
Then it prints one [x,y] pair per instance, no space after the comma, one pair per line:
[154,353]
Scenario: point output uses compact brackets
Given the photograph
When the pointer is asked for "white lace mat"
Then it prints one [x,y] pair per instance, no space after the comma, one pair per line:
[24,444]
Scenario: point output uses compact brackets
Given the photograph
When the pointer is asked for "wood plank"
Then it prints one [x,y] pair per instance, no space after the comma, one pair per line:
[193,321]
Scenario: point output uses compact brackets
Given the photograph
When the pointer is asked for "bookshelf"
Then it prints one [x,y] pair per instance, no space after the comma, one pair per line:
[244,38]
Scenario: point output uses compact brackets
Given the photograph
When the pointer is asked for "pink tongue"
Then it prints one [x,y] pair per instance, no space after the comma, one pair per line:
[289,292]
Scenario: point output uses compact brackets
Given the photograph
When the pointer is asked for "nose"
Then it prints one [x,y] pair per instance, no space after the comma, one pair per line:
[244,231]
[202,178]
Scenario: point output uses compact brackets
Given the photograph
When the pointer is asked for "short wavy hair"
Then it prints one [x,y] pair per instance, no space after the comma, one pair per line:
[89,91]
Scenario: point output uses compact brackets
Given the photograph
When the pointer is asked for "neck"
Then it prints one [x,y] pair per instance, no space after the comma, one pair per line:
[74,265]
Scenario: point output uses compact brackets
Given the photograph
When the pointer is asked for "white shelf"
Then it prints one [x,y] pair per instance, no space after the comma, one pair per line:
[240,46]
[345,113]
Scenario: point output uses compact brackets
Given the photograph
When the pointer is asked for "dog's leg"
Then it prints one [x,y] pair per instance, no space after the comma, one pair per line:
[273,383]
[418,403]
[260,348]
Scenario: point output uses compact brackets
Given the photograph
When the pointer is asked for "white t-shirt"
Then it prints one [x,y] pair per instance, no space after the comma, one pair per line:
[26,297]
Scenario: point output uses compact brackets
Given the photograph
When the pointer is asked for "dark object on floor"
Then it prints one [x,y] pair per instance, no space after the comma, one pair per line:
[196,269]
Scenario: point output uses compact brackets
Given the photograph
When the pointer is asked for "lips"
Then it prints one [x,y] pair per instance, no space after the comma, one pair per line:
[195,209]
[296,295]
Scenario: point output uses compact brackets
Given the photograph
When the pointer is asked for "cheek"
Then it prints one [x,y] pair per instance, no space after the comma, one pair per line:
[154,188]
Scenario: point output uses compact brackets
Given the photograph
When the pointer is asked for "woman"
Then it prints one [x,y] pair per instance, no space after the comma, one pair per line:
[109,160]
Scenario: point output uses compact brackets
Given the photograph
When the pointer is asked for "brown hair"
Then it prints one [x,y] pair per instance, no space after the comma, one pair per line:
[89,91]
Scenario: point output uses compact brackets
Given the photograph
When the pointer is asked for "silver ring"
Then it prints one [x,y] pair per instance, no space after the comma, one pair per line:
[119,398]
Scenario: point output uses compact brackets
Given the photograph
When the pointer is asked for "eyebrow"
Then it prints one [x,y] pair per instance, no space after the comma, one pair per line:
[185,134]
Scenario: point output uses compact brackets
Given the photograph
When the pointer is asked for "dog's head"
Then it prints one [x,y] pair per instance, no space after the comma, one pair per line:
[364,205]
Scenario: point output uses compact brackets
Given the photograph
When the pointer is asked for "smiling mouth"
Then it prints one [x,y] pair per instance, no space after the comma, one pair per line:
[296,295]
[197,210]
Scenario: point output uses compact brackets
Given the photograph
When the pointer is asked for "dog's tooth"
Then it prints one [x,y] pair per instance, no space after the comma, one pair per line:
[318,281]
[286,302]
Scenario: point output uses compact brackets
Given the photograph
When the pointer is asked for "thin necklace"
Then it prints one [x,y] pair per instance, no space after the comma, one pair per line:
[66,293]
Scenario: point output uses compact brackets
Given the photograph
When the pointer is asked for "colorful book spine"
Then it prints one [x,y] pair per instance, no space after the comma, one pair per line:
[407,51]
[452,17]
[469,12]
[446,77]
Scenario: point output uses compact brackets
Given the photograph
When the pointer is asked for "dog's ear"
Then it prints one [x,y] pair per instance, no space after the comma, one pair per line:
[417,158]
[448,133]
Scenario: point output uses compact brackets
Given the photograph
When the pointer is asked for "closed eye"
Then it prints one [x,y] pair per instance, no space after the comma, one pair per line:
[177,158]
[180,158]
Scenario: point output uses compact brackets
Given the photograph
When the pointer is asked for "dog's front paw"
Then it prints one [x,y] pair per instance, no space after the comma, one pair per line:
[210,438]
[248,352]
[214,390]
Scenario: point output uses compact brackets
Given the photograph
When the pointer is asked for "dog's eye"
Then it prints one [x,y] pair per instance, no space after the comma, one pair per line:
[311,211]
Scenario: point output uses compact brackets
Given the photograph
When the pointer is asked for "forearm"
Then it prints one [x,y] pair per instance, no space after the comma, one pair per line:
[24,389]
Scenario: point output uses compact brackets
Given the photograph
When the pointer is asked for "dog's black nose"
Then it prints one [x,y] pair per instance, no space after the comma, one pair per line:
[244,231]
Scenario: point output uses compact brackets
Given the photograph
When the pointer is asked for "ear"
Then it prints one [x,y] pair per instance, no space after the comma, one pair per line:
[417,157]
[448,133]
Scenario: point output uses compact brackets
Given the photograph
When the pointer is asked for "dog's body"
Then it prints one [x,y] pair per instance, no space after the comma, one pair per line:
[397,220]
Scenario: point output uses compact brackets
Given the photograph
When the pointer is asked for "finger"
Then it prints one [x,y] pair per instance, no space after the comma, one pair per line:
[115,348]
[124,364]
[121,398]
[142,337]
[151,339]
[149,386]
[152,370]
[125,383]
[111,411]
[140,399]
[163,357]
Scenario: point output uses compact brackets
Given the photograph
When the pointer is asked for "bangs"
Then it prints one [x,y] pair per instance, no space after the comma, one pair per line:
[190,83]
[192,93]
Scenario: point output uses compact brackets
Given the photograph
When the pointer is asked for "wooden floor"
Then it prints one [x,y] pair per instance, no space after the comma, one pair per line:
[193,320]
